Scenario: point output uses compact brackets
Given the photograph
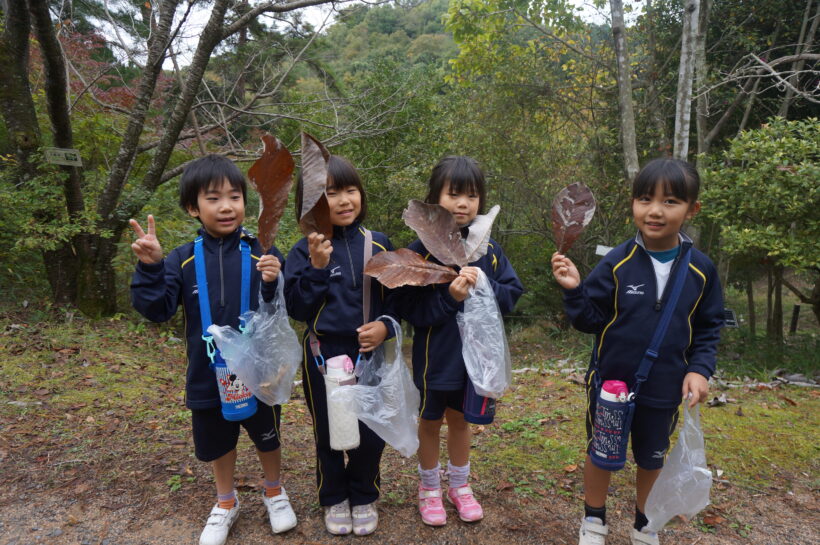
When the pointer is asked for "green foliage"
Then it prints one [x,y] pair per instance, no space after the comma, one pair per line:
[765,195]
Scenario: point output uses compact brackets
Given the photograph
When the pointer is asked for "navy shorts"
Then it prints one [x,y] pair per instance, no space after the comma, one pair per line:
[434,403]
[650,432]
[215,437]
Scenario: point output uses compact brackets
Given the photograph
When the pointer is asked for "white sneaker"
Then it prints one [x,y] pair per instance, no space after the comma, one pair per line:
[365,519]
[644,537]
[219,524]
[338,520]
[592,532]
[281,515]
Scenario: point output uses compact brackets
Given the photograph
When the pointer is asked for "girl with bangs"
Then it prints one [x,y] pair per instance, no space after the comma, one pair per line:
[324,288]
[456,183]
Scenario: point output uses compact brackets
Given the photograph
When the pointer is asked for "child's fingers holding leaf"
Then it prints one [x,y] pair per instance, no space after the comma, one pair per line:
[565,272]
[459,289]
[319,250]
[269,266]
[470,274]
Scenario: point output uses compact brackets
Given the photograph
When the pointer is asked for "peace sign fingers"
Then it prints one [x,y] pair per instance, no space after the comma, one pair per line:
[146,247]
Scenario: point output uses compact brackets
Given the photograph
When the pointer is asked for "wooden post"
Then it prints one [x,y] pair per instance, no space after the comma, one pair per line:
[795,316]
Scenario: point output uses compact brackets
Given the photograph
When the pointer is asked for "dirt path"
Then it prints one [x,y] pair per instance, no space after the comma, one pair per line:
[95,449]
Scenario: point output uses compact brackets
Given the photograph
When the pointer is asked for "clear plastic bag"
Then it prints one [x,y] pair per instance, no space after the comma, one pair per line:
[268,354]
[385,398]
[682,488]
[484,341]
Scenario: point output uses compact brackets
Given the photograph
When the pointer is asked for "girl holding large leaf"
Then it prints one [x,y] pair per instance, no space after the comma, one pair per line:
[326,289]
[457,185]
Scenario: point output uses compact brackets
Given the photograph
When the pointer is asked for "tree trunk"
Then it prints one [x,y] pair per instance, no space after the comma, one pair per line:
[686,73]
[769,290]
[777,317]
[750,302]
[16,102]
[804,43]
[701,74]
[628,138]
[653,103]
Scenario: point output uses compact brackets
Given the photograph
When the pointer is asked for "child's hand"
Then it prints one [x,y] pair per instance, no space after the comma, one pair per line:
[470,274]
[460,288]
[269,266]
[371,335]
[564,271]
[146,247]
[695,388]
[320,250]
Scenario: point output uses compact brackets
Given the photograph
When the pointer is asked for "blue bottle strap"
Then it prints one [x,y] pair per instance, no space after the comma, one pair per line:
[202,289]
[651,353]
[245,300]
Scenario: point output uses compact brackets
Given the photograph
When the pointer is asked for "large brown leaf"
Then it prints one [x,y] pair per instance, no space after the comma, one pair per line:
[404,267]
[572,210]
[271,175]
[437,230]
[315,213]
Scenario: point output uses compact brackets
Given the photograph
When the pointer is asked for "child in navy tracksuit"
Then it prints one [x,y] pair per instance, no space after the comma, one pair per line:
[213,190]
[621,302]
[457,184]
[324,289]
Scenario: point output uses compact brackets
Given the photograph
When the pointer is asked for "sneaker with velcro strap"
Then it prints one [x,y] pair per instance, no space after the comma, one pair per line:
[592,532]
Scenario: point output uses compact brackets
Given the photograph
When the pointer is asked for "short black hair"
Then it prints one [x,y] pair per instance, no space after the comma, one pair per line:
[206,173]
[679,178]
[462,174]
[340,174]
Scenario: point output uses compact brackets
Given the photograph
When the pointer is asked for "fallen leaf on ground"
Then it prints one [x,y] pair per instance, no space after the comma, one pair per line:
[570,468]
[713,520]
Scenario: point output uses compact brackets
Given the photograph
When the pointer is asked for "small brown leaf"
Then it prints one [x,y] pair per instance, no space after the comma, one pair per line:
[504,485]
[271,175]
[713,520]
[570,468]
[405,267]
[789,401]
[572,210]
[437,230]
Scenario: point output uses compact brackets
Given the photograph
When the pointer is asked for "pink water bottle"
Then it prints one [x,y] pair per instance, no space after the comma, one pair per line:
[615,390]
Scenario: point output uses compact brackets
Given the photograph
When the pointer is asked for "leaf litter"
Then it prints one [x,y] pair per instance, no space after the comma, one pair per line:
[102,474]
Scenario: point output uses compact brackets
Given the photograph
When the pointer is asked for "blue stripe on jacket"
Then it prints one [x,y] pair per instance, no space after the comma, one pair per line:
[157,290]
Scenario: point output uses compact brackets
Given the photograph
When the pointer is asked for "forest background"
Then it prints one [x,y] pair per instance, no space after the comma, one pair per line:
[541,96]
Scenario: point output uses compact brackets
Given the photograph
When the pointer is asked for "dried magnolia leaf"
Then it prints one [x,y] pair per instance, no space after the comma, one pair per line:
[315,213]
[404,267]
[437,230]
[572,210]
[479,235]
[271,175]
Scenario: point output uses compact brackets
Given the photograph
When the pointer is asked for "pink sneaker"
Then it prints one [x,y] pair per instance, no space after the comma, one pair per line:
[469,510]
[431,507]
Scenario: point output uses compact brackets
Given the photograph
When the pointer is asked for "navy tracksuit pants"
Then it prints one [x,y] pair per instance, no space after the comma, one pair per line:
[359,480]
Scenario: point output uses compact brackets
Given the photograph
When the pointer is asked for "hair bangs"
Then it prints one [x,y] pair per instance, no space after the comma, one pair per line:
[675,177]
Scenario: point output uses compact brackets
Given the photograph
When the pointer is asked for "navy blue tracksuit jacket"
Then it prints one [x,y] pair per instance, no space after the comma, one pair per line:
[619,303]
[158,289]
[329,302]
[437,360]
